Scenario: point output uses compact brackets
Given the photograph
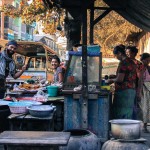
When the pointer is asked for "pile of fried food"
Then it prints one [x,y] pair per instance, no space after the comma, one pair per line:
[29,86]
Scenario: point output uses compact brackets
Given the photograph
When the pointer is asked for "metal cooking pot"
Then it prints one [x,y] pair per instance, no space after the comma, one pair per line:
[126,129]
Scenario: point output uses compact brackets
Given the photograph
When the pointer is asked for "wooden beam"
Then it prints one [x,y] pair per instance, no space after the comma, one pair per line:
[102,16]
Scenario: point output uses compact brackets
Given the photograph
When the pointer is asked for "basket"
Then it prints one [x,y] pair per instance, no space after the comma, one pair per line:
[18,107]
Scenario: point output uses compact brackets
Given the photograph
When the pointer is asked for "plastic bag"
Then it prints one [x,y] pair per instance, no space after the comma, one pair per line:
[41,96]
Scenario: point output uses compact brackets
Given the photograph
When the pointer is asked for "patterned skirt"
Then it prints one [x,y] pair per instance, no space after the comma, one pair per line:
[123,104]
[145,102]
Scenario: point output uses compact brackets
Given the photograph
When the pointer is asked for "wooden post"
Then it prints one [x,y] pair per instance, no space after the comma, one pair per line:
[84,97]
[2,21]
[91,23]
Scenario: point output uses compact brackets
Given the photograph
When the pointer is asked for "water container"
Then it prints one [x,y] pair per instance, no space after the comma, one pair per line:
[93,48]
[81,139]
[52,90]
[124,145]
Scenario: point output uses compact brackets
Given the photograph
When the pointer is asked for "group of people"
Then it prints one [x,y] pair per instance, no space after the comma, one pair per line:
[8,67]
[132,85]
[132,82]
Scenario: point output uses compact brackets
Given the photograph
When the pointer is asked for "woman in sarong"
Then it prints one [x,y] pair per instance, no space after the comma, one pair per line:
[145,92]
[125,85]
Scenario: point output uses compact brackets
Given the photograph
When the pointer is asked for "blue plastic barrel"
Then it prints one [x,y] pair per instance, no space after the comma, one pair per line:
[52,90]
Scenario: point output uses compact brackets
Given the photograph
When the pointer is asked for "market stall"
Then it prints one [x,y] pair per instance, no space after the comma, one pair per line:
[31,86]
[96,116]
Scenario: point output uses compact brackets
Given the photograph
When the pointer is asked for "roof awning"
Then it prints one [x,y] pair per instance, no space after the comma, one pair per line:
[30,48]
[135,11]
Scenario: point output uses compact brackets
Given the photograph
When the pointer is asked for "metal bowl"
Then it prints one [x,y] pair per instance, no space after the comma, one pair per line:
[126,129]
[40,110]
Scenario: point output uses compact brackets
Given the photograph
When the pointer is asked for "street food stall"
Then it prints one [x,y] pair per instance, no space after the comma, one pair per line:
[98,105]
[32,81]
[37,55]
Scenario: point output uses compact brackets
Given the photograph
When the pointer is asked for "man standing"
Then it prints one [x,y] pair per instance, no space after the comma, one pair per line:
[7,66]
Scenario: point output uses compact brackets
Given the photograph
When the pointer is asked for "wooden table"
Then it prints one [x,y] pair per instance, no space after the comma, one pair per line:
[57,98]
[58,101]
[30,123]
[33,140]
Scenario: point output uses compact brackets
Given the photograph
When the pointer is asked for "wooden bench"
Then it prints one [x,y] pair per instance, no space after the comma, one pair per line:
[33,140]
[30,123]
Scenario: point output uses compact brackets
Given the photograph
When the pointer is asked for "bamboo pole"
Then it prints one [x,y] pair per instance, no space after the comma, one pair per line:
[2,22]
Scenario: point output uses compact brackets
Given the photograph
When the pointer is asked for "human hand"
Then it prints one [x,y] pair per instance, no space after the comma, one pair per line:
[24,68]
[109,81]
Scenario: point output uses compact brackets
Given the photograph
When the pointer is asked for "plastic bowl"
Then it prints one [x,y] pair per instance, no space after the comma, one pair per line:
[2,102]
[41,110]
[32,102]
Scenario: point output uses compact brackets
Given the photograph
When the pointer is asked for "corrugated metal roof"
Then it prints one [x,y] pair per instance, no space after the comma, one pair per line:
[135,11]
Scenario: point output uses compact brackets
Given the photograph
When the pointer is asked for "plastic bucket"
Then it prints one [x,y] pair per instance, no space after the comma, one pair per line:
[52,90]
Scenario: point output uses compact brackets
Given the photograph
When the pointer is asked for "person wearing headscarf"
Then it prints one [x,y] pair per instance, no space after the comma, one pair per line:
[145,90]
[7,66]
[125,85]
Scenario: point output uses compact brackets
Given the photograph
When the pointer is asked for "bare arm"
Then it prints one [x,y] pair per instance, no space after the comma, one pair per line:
[18,74]
[60,76]
[119,78]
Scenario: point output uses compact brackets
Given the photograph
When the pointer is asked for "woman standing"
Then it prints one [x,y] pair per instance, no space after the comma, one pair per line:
[58,71]
[131,52]
[145,98]
[125,85]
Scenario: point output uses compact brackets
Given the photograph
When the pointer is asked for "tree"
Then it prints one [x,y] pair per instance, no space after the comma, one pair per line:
[34,12]
[110,31]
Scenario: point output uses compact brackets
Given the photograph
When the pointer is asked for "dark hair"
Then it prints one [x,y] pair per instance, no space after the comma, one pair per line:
[133,49]
[12,42]
[77,45]
[144,56]
[57,58]
[119,48]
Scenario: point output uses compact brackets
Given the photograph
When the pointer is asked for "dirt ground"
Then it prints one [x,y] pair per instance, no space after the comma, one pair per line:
[143,135]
